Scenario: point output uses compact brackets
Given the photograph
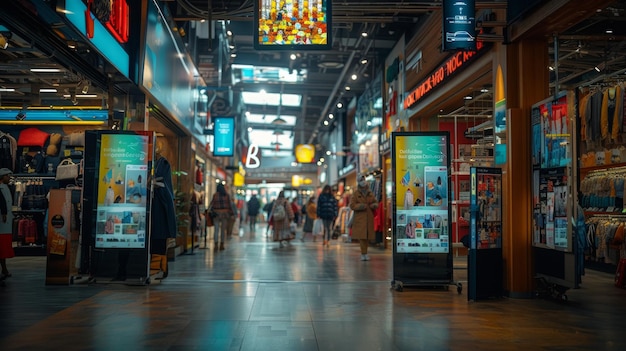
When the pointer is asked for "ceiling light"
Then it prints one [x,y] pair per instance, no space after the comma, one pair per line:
[45,70]
[331,116]
[279,121]
[325,123]
[234,54]
[6,89]
[354,77]
[468,97]
[292,57]
[609,31]
[229,33]
[363,61]
[47,90]
[231,46]
[551,68]
[347,87]
[339,104]
[599,67]
[364,34]
[484,90]
[85,87]
[81,96]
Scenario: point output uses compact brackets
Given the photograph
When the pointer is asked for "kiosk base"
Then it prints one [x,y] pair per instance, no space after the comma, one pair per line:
[398,285]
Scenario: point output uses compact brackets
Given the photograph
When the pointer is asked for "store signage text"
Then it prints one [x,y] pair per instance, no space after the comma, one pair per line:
[252,158]
[447,69]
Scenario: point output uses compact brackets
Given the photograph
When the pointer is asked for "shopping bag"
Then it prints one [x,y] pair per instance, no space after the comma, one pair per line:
[209,220]
[318,227]
[67,170]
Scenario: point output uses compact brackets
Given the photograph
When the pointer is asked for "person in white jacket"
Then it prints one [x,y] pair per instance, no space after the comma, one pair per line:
[408,199]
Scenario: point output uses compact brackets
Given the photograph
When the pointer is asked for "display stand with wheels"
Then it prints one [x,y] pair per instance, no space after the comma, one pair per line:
[422,254]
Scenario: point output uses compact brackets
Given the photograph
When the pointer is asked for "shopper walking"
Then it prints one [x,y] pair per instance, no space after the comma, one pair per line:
[363,203]
[222,209]
[310,214]
[253,211]
[6,224]
[327,210]
[282,215]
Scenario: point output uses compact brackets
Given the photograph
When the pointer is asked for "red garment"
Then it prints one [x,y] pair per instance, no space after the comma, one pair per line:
[378,218]
[294,208]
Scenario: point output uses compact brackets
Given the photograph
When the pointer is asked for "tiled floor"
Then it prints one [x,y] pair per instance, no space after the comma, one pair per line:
[257,296]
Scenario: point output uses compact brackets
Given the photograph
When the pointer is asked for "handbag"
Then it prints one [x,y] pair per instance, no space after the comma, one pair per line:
[67,170]
[209,220]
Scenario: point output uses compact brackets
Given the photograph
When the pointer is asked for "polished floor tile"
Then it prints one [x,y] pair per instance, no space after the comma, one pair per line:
[258,296]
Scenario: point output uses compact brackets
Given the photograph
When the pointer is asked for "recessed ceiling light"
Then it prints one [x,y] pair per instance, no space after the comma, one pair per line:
[45,70]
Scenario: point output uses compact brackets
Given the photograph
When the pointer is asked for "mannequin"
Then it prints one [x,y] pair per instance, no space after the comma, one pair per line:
[163,217]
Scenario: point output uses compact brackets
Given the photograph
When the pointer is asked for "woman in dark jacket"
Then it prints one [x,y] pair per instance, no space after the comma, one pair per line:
[327,210]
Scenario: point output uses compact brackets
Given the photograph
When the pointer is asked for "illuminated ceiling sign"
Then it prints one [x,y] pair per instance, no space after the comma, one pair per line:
[459,25]
[441,74]
[252,156]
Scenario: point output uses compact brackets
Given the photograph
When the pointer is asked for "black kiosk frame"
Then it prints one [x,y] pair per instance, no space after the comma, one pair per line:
[421,210]
[485,253]
[116,204]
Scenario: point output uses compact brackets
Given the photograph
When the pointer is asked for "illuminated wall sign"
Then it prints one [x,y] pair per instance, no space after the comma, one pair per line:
[292,25]
[118,20]
[224,136]
[102,39]
[459,30]
[252,156]
[441,74]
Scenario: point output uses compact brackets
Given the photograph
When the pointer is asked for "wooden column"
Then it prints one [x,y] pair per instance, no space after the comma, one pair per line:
[526,81]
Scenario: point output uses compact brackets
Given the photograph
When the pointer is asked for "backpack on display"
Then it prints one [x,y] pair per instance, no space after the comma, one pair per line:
[279,212]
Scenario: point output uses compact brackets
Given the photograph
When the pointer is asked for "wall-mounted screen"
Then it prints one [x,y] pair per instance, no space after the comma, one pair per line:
[224,136]
[292,24]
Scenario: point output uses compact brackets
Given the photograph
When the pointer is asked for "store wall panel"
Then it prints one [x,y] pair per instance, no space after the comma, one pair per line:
[525,85]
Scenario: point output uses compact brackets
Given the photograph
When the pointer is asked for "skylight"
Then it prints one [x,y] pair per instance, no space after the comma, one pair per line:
[271,99]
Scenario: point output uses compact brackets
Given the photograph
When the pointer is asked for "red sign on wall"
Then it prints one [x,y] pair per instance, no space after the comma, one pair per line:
[441,74]
[118,22]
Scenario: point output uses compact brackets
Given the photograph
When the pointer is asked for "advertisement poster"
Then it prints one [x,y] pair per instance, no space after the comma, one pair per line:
[486,208]
[551,133]
[422,193]
[122,191]
[550,209]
